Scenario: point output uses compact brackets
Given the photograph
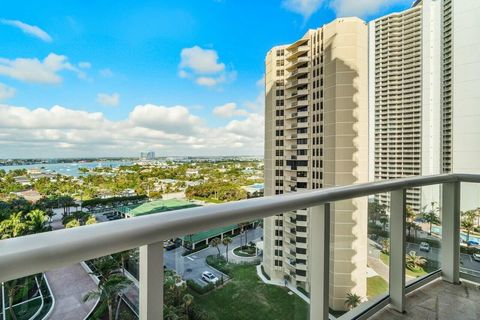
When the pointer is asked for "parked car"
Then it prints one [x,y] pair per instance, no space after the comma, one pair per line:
[209,277]
[424,246]
[476,257]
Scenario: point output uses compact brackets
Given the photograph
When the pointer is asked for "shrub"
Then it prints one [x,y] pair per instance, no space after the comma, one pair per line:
[197,248]
[220,264]
[198,288]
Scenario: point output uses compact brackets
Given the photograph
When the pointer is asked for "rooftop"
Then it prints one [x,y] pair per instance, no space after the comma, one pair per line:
[157,206]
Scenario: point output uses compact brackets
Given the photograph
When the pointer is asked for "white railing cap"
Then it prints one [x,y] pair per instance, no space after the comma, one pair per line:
[45,251]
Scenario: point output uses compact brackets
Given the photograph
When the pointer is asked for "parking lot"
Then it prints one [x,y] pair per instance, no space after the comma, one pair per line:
[193,265]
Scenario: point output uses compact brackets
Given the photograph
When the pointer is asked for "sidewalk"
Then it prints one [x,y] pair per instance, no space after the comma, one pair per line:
[69,285]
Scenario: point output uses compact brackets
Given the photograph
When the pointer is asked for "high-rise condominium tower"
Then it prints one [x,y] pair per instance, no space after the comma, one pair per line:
[423,67]
[316,136]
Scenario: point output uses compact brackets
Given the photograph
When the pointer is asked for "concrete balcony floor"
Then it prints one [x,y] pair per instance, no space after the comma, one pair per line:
[439,300]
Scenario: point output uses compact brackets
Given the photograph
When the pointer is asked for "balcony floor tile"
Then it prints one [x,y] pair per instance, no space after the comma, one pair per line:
[439,300]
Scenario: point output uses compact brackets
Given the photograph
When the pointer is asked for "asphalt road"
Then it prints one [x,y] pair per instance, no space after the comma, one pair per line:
[466,261]
[192,266]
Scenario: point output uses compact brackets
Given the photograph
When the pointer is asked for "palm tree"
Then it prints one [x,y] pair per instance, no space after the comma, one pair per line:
[242,226]
[109,292]
[105,267]
[38,221]
[12,287]
[187,301]
[414,262]
[226,241]
[431,215]
[410,220]
[352,300]
[468,222]
[13,226]
[214,243]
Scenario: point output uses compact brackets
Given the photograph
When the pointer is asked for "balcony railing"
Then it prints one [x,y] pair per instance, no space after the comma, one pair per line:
[32,254]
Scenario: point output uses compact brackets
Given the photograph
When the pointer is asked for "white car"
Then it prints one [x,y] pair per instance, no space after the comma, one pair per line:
[209,277]
[424,246]
[476,257]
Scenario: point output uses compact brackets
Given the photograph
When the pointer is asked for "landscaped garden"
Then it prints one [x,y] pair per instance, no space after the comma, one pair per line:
[245,296]
[245,251]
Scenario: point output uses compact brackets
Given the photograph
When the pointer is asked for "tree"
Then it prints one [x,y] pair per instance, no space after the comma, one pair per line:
[105,267]
[12,287]
[91,220]
[386,246]
[124,256]
[383,219]
[410,220]
[187,301]
[414,262]
[214,243]
[13,226]
[109,292]
[352,300]
[242,227]
[468,223]
[376,210]
[38,222]
[430,215]
[226,241]
[72,224]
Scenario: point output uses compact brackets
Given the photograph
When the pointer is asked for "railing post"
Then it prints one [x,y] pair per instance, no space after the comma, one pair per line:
[451,232]
[397,249]
[151,281]
[319,260]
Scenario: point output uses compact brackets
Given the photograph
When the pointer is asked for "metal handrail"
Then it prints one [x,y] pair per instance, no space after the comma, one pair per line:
[36,253]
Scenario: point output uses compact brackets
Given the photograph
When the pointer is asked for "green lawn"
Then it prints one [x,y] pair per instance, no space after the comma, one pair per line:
[376,286]
[415,274]
[245,296]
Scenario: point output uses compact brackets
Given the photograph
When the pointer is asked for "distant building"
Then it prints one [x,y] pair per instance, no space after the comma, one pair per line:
[147,155]
[254,190]
[192,172]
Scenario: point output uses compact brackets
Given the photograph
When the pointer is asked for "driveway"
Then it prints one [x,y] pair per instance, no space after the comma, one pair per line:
[192,266]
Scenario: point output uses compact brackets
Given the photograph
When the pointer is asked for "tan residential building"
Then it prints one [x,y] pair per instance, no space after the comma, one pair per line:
[316,136]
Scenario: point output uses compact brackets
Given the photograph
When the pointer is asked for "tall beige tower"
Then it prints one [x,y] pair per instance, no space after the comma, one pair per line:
[316,136]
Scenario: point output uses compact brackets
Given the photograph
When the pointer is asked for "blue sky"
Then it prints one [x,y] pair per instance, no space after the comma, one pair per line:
[120,69]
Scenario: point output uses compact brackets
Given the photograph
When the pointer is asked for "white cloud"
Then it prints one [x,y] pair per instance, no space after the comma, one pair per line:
[106,73]
[364,8]
[304,7]
[200,61]
[84,65]
[176,119]
[229,110]
[56,117]
[6,92]
[111,100]
[62,132]
[36,71]
[203,66]
[28,29]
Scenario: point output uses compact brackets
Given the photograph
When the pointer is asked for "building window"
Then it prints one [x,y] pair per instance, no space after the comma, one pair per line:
[301,250]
